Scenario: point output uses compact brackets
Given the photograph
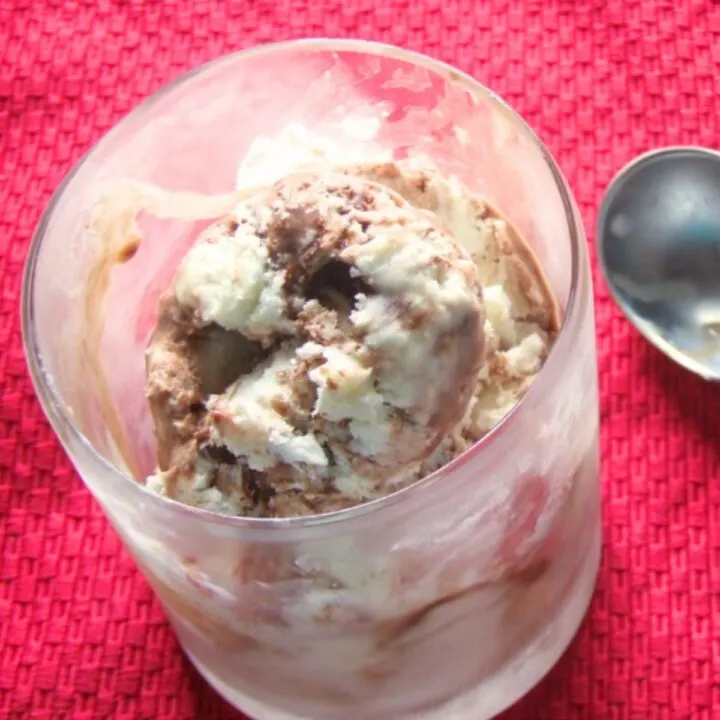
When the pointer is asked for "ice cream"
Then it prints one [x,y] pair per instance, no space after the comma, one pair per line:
[285,384]
[336,333]
[336,336]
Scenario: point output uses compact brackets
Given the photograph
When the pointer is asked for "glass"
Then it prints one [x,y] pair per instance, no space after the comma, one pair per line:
[449,599]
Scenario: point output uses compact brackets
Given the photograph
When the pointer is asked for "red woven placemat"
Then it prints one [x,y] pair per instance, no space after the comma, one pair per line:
[81,635]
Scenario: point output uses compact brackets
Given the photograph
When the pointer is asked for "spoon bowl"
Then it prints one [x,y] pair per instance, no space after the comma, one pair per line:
[658,239]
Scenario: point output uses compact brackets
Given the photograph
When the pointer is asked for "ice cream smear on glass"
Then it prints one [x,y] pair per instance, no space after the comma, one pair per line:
[342,328]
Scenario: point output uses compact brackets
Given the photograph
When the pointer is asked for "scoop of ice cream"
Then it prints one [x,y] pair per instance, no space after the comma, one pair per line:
[521,312]
[316,344]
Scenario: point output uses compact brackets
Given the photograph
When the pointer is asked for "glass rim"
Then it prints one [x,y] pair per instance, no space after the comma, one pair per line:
[54,407]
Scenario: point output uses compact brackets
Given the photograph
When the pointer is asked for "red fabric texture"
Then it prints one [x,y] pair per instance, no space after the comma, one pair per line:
[81,634]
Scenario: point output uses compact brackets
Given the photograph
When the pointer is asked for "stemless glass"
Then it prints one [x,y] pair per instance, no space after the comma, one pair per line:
[448,599]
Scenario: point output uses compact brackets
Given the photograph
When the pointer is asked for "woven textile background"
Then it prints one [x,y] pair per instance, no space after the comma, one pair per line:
[81,635]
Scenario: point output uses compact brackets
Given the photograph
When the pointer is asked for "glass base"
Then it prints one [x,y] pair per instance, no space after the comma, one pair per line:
[496,693]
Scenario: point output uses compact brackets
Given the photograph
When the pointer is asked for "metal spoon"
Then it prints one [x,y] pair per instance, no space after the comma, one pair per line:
[658,239]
